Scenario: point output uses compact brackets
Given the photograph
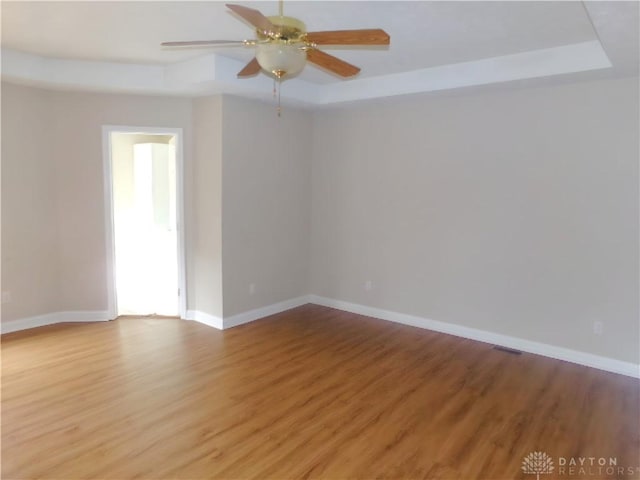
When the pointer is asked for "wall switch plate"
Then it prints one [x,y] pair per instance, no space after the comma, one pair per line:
[368,285]
[6,296]
[252,288]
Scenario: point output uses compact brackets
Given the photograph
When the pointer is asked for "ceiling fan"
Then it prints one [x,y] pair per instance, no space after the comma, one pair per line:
[283,46]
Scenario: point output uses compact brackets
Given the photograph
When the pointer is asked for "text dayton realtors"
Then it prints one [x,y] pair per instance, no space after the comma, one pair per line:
[593,466]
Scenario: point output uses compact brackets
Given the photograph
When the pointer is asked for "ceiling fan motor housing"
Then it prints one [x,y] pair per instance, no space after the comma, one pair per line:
[287,29]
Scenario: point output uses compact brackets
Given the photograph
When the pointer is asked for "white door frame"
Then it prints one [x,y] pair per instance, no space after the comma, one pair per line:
[107,130]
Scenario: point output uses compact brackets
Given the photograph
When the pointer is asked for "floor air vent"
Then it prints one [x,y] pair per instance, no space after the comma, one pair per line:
[507,350]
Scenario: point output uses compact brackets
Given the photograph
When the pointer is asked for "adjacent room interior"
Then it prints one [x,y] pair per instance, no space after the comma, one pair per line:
[239,244]
[143,233]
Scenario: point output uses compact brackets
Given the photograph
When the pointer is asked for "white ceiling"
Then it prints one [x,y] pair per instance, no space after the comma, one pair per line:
[423,34]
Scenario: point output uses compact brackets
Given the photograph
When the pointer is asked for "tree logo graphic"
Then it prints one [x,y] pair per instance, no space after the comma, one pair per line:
[537,463]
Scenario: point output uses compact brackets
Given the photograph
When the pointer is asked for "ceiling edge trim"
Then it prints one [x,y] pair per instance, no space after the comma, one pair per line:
[214,74]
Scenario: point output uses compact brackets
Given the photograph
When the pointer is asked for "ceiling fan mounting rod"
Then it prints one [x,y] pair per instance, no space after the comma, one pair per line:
[281,7]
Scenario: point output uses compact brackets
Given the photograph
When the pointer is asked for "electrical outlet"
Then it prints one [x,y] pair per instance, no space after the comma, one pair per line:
[368,285]
[252,288]
[6,296]
[598,327]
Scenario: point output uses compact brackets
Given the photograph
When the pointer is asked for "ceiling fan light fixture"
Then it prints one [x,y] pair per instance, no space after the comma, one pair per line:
[283,46]
[281,59]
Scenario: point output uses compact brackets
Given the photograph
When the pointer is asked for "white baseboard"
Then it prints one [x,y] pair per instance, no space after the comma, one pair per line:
[204,318]
[52,318]
[552,351]
[251,315]
[195,315]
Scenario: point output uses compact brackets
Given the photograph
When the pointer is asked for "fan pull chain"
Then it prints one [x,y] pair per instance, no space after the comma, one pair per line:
[279,90]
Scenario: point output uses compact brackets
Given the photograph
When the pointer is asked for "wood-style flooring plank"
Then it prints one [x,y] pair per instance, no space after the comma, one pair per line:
[309,393]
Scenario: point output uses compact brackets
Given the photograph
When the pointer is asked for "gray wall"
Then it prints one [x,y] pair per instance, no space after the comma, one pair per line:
[53,240]
[205,250]
[513,212]
[266,203]
[29,215]
[53,255]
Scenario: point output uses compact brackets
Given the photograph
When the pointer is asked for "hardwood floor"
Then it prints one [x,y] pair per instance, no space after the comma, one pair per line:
[309,393]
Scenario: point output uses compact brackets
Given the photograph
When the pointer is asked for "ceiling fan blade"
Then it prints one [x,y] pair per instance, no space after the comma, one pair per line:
[374,36]
[331,63]
[250,69]
[254,17]
[203,43]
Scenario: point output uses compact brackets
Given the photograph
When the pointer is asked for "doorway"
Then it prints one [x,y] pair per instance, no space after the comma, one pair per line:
[143,175]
